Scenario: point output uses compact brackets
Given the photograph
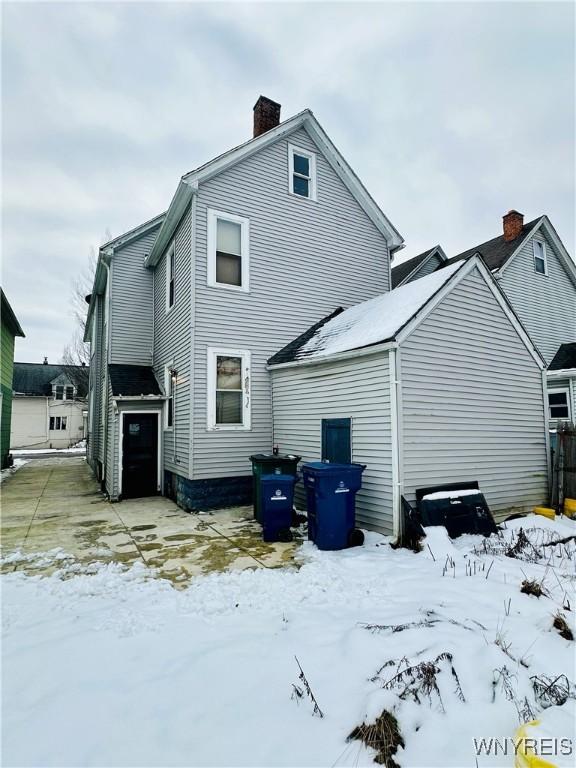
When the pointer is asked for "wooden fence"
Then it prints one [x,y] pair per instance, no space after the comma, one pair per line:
[564,466]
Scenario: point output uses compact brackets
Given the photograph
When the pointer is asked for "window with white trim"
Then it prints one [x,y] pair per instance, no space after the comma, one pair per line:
[58,423]
[559,404]
[169,382]
[170,276]
[69,393]
[540,263]
[59,392]
[228,389]
[228,251]
[302,172]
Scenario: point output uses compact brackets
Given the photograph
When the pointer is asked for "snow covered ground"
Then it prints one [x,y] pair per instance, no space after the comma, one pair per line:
[79,449]
[117,668]
[9,471]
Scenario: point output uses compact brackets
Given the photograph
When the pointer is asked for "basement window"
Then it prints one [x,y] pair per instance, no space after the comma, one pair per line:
[228,389]
[302,171]
[228,251]
[540,264]
[558,404]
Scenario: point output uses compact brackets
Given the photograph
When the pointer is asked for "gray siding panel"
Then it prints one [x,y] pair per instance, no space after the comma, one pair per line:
[172,340]
[306,258]
[546,304]
[131,304]
[473,402]
[357,389]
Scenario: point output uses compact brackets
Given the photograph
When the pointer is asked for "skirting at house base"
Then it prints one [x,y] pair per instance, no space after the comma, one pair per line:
[202,495]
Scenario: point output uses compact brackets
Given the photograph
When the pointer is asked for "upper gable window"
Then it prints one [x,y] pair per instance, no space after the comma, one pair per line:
[59,392]
[540,264]
[228,251]
[69,393]
[302,172]
[170,276]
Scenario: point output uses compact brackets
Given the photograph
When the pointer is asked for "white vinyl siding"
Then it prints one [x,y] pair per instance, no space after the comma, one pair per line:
[131,303]
[473,403]
[172,340]
[545,304]
[305,261]
[358,389]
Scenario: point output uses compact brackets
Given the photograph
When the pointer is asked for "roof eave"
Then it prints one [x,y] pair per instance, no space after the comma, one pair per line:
[182,197]
[372,349]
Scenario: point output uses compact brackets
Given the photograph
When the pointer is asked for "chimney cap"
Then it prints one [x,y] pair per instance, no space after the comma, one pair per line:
[267,100]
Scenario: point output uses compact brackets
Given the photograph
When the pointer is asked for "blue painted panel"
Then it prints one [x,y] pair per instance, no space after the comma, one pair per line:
[336,441]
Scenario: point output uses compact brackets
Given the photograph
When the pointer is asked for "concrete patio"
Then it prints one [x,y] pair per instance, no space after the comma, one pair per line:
[55,504]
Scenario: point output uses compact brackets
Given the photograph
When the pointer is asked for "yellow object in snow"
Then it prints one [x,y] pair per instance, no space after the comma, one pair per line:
[570,507]
[524,740]
[545,511]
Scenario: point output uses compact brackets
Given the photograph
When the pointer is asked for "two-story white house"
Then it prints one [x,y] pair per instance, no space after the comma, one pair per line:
[538,277]
[189,310]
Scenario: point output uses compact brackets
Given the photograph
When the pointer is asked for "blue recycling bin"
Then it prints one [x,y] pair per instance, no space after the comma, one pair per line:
[331,502]
[277,504]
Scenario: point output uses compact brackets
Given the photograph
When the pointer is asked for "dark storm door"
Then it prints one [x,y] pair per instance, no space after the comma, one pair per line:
[139,454]
[336,441]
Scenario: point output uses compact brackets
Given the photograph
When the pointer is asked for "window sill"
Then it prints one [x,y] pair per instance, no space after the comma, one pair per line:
[313,199]
[169,309]
[232,428]
[226,287]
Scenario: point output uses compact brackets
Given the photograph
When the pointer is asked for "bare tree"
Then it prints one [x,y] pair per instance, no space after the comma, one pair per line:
[76,355]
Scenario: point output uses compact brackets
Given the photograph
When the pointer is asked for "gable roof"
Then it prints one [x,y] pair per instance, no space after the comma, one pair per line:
[132,380]
[565,358]
[188,185]
[8,317]
[390,318]
[401,272]
[35,379]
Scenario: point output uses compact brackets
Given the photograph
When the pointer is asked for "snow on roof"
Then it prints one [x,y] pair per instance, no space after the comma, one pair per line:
[376,320]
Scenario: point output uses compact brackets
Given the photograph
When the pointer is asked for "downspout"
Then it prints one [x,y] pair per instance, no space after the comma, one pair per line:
[549,468]
[395,437]
[192,372]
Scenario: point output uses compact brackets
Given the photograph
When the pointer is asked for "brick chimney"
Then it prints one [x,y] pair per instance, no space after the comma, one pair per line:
[513,223]
[266,115]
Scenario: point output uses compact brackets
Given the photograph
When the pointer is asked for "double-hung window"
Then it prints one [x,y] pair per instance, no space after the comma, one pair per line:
[170,276]
[540,264]
[59,392]
[302,172]
[228,251]
[228,389]
[558,404]
[69,393]
[169,382]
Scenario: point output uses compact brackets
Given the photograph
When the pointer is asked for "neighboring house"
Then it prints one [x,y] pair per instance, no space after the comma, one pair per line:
[434,382]
[538,277]
[10,328]
[49,406]
[256,245]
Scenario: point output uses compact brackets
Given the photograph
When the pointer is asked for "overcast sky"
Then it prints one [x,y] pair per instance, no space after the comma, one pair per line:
[450,113]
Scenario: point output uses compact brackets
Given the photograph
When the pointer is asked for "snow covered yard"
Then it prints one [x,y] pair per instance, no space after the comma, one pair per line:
[118,668]
[7,473]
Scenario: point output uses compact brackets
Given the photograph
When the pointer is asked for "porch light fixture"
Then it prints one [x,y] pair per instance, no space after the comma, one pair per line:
[173,374]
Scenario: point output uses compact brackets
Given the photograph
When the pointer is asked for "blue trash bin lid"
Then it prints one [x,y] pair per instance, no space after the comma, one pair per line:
[325,468]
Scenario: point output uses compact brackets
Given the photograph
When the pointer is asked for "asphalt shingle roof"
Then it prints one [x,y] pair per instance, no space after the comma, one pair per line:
[133,380]
[565,358]
[497,251]
[401,271]
[34,379]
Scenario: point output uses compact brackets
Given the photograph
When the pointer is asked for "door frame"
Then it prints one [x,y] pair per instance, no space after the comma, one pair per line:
[131,412]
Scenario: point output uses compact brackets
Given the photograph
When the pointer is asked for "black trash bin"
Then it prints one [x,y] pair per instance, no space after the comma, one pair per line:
[331,501]
[459,507]
[269,464]
[277,499]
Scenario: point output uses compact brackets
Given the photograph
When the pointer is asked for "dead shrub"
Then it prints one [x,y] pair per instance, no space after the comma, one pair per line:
[533,587]
[383,736]
[561,625]
[552,692]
